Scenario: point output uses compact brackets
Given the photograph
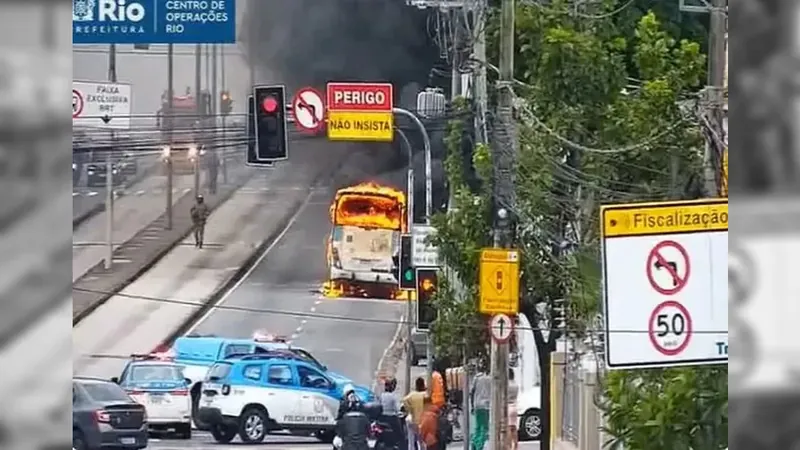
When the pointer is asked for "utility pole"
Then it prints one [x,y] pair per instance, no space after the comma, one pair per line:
[479,83]
[455,83]
[198,62]
[504,159]
[223,159]
[169,123]
[109,260]
[716,84]
[215,111]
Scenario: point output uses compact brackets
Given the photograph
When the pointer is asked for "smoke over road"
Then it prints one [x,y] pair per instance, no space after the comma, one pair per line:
[311,42]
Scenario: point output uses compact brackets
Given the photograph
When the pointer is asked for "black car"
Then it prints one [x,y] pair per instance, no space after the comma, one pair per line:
[104,416]
[96,173]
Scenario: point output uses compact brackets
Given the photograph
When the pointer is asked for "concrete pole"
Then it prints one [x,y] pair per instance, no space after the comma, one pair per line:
[170,123]
[505,165]
[716,83]
[223,159]
[109,259]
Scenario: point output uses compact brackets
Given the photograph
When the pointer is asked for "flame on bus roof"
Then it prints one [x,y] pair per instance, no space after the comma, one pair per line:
[369,205]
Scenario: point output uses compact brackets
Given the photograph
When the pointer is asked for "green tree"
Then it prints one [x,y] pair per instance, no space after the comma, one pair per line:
[587,137]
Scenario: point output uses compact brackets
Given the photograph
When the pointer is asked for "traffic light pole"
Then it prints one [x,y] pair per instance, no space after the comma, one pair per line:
[410,220]
[168,117]
[426,142]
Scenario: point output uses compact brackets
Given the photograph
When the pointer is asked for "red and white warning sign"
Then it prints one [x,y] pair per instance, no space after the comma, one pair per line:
[668,267]
[670,328]
[501,327]
[308,110]
[77,103]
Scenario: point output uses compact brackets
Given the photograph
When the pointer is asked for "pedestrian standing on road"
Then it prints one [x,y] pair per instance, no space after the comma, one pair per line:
[481,395]
[414,404]
[390,411]
[513,417]
[199,213]
[429,426]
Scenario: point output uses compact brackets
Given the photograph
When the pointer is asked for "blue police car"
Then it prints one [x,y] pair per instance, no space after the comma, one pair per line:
[252,395]
[197,354]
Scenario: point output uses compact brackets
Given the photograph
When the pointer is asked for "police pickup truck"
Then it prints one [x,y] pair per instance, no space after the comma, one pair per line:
[253,395]
[199,353]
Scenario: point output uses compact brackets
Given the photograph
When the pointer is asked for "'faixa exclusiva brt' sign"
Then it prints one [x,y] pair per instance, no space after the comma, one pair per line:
[360,112]
[153,21]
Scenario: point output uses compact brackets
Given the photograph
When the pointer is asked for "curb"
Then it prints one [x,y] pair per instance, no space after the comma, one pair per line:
[101,206]
[77,318]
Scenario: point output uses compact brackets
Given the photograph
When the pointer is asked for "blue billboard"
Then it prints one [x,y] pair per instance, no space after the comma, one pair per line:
[153,21]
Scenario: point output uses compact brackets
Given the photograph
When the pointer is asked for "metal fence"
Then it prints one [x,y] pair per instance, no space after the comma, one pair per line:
[575,419]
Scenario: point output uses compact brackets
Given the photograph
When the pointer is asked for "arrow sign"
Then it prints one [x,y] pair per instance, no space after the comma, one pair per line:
[501,327]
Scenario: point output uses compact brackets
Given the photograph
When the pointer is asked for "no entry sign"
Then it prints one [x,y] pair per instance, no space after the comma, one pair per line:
[668,267]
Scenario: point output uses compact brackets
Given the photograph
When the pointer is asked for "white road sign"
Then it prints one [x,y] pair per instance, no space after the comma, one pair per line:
[97,104]
[423,254]
[501,327]
[308,110]
[665,280]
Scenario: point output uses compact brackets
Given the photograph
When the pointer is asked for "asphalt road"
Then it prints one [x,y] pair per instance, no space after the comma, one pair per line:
[280,294]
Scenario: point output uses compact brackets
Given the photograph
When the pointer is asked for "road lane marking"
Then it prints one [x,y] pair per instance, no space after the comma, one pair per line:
[252,268]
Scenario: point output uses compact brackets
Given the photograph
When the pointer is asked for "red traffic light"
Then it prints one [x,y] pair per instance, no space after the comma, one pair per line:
[269,104]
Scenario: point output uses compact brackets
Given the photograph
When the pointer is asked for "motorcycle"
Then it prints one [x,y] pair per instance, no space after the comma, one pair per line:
[372,439]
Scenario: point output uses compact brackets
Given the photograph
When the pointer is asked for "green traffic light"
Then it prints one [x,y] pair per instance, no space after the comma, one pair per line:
[409,274]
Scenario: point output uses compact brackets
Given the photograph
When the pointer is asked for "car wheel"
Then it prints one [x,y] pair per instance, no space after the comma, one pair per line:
[223,434]
[78,441]
[184,430]
[530,427]
[253,425]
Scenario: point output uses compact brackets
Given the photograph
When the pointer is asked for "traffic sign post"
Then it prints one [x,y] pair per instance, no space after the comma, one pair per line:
[499,281]
[665,280]
[501,327]
[100,104]
[360,112]
[308,110]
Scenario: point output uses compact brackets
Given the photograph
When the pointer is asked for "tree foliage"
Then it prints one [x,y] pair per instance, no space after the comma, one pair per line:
[603,120]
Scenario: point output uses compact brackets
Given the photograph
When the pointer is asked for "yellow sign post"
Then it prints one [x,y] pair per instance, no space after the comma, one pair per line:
[499,281]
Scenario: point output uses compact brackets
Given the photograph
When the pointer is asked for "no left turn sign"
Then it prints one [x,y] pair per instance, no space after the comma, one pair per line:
[77,103]
[308,110]
[670,328]
[668,267]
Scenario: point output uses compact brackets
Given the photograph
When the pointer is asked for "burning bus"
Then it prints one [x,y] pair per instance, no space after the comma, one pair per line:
[364,243]
[184,128]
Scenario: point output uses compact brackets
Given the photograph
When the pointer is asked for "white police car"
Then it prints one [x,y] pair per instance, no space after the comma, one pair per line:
[158,383]
[198,353]
[252,395]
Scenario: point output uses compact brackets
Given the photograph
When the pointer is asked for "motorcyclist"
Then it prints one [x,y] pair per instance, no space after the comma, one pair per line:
[352,423]
[349,403]
[390,414]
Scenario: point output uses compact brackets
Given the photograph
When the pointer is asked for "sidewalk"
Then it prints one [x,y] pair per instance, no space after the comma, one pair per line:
[146,312]
[131,214]
[137,255]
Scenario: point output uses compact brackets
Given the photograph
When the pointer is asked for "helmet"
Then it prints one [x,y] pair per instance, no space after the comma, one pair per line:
[348,388]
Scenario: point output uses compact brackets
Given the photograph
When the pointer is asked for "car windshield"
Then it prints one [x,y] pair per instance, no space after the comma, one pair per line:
[154,372]
[106,392]
[307,356]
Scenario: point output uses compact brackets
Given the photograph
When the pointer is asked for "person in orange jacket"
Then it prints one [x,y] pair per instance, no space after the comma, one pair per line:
[438,397]
[429,425]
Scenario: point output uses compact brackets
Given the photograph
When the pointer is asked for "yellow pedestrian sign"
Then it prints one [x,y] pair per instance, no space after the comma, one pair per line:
[499,281]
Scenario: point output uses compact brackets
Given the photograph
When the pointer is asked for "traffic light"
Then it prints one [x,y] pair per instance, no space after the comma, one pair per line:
[225,102]
[427,284]
[406,275]
[252,156]
[272,143]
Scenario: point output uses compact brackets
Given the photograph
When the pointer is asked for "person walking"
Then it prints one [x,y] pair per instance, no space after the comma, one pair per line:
[414,404]
[199,213]
[481,395]
[513,415]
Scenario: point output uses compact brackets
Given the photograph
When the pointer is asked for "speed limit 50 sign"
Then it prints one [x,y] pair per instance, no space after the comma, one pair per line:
[665,279]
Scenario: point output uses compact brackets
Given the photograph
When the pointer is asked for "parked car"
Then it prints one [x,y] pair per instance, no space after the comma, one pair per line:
[104,416]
